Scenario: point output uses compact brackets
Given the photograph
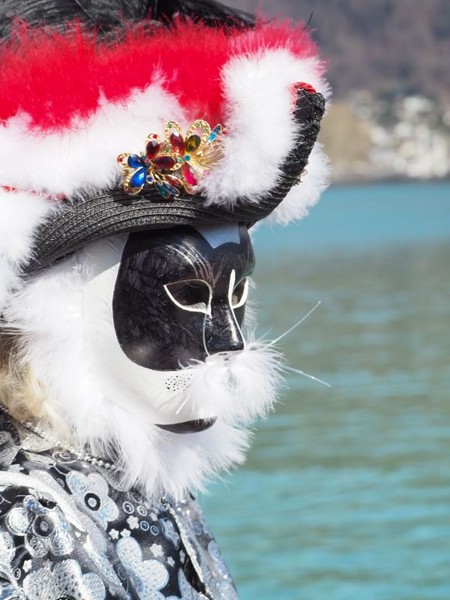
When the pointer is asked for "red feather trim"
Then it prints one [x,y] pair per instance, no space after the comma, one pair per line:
[54,77]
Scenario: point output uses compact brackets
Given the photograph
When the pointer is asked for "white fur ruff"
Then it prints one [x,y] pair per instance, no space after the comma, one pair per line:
[20,213]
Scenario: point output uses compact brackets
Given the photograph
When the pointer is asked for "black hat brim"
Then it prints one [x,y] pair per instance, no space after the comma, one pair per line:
[82,221]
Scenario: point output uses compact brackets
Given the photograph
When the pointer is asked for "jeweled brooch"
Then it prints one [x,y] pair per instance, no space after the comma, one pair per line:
[174,164]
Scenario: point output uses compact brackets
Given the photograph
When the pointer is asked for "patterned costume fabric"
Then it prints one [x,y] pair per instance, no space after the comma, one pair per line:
[68,531]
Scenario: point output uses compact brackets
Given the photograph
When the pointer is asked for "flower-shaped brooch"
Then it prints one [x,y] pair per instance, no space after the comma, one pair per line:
[174,164]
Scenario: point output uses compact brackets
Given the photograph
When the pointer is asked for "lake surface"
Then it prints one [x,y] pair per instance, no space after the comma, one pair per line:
[346,492]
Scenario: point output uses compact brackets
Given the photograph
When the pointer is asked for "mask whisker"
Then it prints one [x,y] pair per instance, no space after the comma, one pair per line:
[299,372]
[265,334]
[295,325]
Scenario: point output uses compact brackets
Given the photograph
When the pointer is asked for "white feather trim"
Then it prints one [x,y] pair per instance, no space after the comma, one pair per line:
[20,213]
[260,122]
[83,158]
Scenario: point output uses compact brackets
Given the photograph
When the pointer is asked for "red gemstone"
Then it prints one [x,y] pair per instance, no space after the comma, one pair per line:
[189,175]
[177,142]
[174,181]
[164,162]
[305,86]
[152,149]
[120,159]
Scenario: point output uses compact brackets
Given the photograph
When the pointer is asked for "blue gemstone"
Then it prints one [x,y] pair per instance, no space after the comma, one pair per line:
[138,178]
[162,190]
[171,189]
[134,161]
[214,133]
[187,157]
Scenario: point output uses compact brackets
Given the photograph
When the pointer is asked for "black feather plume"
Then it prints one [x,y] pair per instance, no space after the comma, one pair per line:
[107,16]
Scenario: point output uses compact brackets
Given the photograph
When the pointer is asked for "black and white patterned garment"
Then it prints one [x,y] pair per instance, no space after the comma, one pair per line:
[68,532]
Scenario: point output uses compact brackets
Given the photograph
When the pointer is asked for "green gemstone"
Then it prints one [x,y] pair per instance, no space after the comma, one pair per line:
[192,143]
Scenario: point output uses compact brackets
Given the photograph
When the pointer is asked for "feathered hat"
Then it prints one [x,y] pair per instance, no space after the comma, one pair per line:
[129,118]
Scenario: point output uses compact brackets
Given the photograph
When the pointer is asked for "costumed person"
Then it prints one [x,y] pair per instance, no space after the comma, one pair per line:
[138,146]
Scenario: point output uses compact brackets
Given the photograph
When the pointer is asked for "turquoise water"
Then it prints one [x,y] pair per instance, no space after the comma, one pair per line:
[346,492]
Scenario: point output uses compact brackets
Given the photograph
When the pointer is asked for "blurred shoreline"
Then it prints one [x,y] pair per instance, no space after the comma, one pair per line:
[369,140]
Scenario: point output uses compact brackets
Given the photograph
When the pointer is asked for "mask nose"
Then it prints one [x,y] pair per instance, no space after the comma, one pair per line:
[222,332]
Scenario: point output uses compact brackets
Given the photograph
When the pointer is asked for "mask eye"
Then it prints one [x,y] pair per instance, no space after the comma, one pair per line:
[239,295]
[192,295]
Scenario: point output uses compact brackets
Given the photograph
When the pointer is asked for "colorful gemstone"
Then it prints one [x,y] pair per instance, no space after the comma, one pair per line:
[152,149]
[171,189]
[175,163]
[177,142]
[189,175]
[164,162]
[192,143]
[138,178]
[163,190]
[174,181]
[135,161]
[214,133]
